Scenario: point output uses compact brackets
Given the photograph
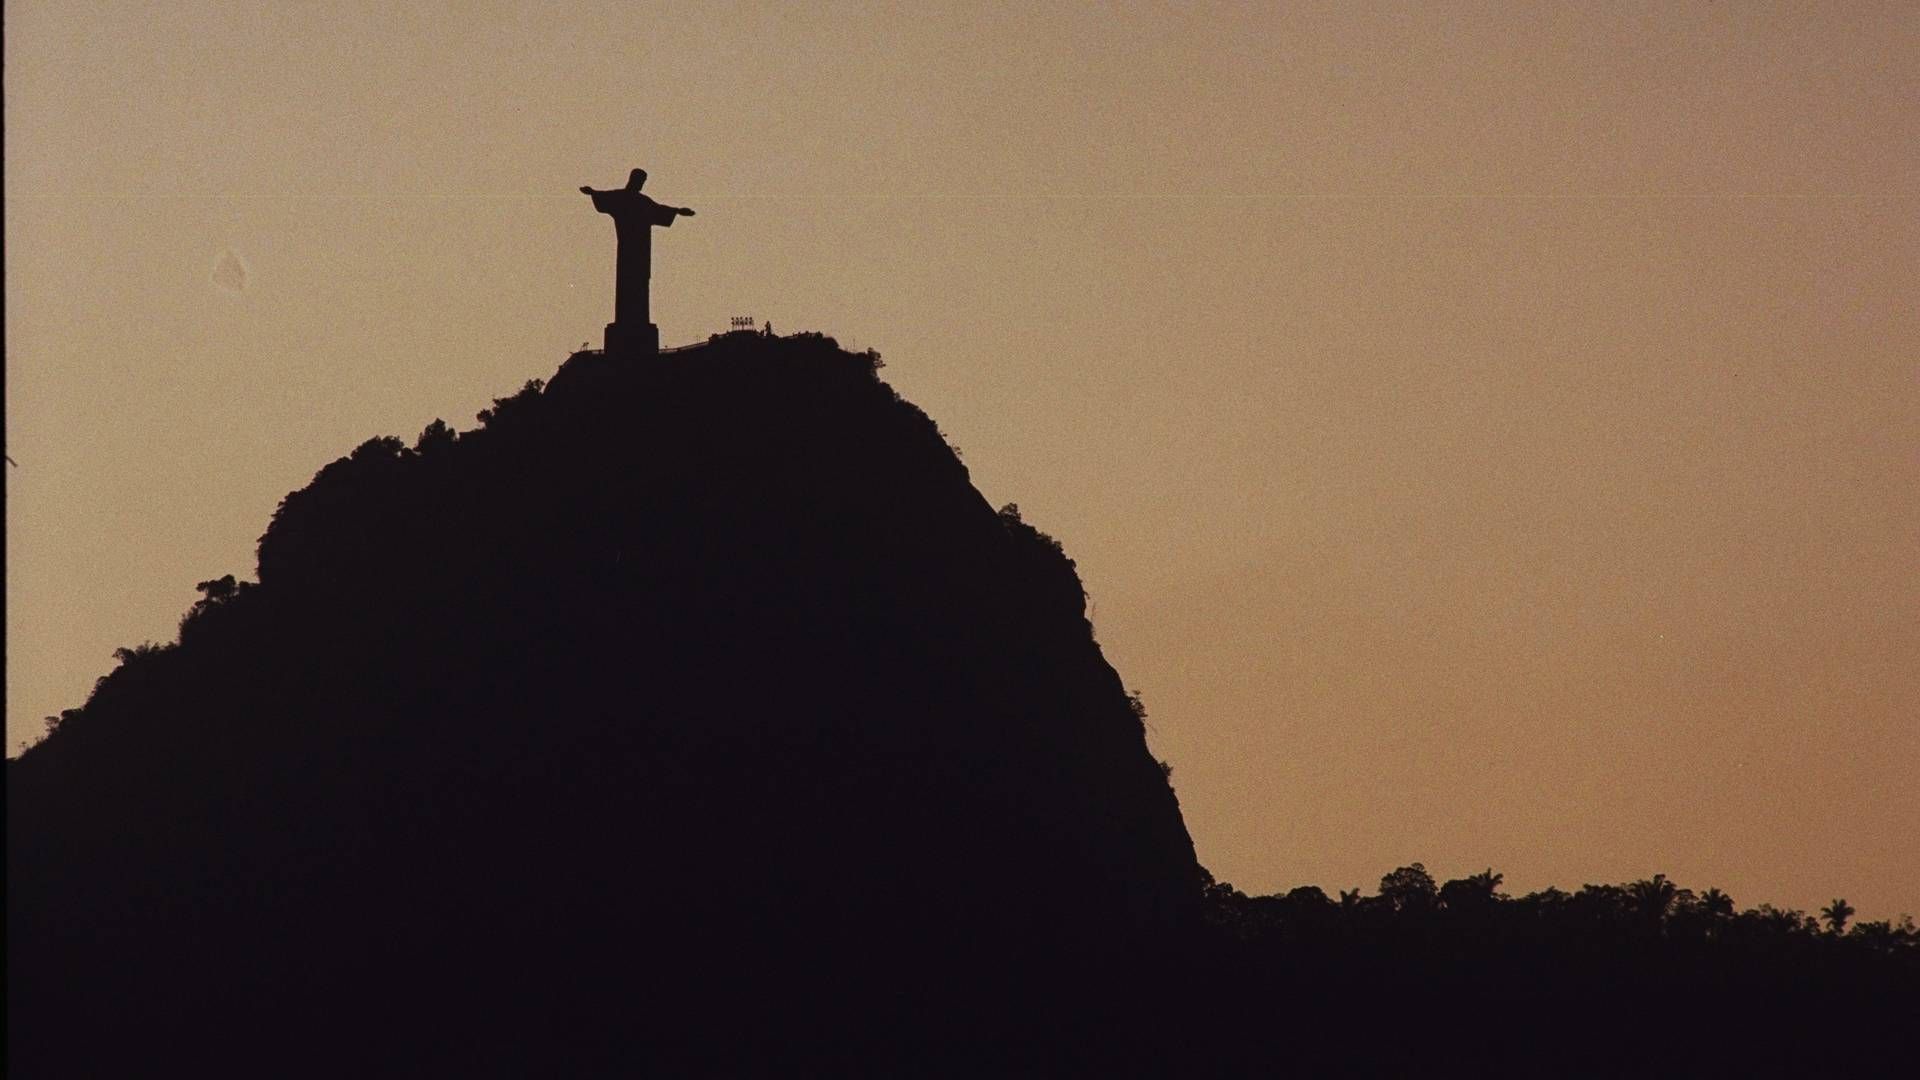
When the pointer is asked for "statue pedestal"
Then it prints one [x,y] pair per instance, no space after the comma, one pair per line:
[638,342]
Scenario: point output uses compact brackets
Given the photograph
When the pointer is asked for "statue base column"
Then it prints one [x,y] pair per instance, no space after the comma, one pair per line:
[640,341]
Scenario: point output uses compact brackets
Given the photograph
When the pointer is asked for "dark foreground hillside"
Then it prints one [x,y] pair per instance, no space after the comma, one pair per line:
[698,716]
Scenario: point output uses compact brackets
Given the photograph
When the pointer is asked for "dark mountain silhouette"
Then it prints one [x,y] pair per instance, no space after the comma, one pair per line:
[698,715]
[669,672]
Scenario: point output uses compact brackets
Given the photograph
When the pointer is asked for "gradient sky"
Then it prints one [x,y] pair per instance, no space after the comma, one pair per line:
[1489,433]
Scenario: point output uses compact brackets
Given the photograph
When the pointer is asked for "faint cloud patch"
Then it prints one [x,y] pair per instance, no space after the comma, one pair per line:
[230,272]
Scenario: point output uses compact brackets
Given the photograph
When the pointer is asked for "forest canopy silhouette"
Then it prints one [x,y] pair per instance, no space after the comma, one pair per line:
[699,713]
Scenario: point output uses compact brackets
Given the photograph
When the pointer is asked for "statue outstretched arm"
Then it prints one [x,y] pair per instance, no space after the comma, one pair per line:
[607,202]
[683,211]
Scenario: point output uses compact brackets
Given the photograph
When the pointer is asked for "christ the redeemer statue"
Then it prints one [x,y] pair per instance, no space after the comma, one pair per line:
[632,333]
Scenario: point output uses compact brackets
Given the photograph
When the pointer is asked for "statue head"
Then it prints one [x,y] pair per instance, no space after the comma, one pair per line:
[636,179]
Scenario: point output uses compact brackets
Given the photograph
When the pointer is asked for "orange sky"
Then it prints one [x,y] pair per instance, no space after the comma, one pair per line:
[1489,434]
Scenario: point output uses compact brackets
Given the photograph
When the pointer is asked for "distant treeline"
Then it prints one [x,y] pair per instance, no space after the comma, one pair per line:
[1410,903]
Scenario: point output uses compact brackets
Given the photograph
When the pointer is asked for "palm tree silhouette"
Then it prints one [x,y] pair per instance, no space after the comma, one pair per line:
[1837,914]
[1718,908]
[1653,898]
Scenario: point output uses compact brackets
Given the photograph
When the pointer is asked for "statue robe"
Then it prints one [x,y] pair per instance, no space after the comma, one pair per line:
[634,217]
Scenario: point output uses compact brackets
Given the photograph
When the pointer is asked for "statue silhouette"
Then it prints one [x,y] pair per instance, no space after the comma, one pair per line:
[632,331]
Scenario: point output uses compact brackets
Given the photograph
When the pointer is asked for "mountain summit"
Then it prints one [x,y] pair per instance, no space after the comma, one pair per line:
[675,685]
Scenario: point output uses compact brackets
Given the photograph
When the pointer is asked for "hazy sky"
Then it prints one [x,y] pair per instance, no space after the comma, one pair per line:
[1489,434]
